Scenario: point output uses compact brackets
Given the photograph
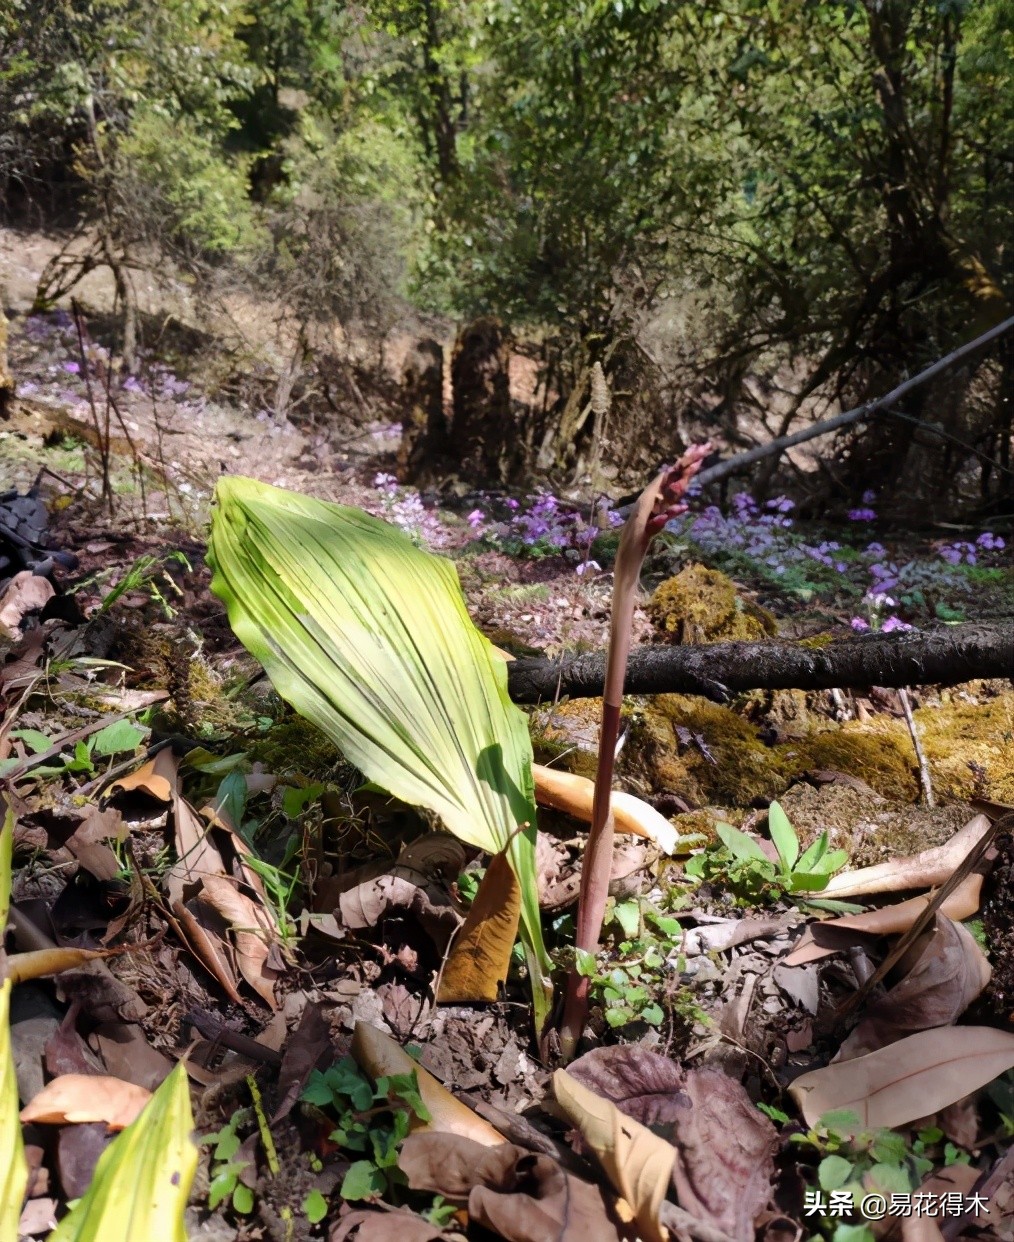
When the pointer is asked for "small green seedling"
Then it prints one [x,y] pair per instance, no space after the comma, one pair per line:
[371,1120]
[225,1169]
[855,1161]
[739,863]
[114,739]
[627,978]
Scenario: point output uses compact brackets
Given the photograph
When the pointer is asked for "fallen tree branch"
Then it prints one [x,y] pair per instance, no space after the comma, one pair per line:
[734,465]
[943,657]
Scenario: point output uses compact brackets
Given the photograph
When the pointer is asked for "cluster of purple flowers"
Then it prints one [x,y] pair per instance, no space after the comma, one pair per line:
[404,507]
[761,532]
[865,513]
[958,553]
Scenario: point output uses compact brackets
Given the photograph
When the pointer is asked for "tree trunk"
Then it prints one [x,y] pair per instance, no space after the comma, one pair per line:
[716,671]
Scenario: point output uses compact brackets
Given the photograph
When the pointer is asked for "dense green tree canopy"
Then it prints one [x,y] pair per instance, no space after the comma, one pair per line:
[826,187]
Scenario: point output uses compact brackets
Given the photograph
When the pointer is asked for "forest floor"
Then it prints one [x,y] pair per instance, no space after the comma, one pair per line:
[706,968]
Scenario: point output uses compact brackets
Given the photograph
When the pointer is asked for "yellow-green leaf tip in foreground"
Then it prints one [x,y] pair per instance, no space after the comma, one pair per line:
[142,1180]
[13,1167]
[368,637]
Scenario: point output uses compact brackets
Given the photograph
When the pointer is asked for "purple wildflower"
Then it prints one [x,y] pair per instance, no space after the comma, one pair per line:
[858,624]
[894,623]
[587,567]
[72,368]
[862,515]
[476,518]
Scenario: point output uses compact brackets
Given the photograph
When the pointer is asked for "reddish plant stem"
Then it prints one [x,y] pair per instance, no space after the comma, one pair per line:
[660,501]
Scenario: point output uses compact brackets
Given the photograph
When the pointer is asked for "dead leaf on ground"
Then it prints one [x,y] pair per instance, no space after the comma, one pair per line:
[637,1162]
[41,963]
[77,1153]
[127,1054]
[26,592]
[376,1226]
[88,841]
[725,1155]
[157,778]
[574,795]
[922,870]
[67,1053]
[368,903]
[309,1043]
[915,1077]
[251,930]
[481,953]
[379,1056]
[519,1195]
[87,1097]
[646,1086]
[948,972]
[887,921]
[724,1147]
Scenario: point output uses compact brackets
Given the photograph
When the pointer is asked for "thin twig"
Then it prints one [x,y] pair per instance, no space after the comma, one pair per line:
[913,732]
[742,460]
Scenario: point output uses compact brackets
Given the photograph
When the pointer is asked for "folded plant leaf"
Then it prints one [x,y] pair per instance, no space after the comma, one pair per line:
[884,921]
[369,638]
[947,973]
[481,952]
[724,1147]
[574,795]
[637,1162]
[142,1180]
[922,870]
[915,1077]
[519,1195]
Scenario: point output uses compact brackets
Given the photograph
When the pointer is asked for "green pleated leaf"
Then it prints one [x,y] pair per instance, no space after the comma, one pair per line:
[142,1180]
[368,637]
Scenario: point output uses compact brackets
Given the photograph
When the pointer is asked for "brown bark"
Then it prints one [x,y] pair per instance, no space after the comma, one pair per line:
[943,657]
[484,439]
[6,379]
[424,442]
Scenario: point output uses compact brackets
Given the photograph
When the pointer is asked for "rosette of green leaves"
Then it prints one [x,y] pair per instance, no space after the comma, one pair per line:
[368,637]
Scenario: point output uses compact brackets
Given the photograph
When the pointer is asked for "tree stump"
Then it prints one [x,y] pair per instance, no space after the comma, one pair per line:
[6,379]
[424,442]
[484,439]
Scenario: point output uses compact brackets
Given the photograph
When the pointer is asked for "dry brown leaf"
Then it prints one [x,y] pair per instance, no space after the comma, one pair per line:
[637,1162]
[481,953]
[369,902]
[915,1077]
[24,593]
[378,1226]
[725,1155]
[922,870]
[520,1196]
[379,1056]
[156,778]
[573,794]
[87,1097]
[645,1085]
[724,1147]
[251,930]
[949,972]
[40,963]
[205,944]
[887,921]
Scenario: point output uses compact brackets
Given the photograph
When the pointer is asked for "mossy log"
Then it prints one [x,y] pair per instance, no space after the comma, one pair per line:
[943,657]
